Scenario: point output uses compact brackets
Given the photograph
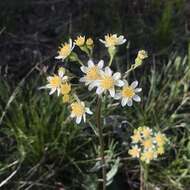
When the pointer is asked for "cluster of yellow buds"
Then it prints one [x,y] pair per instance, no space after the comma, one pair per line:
[84,44]
[142,54]
[81,41]
[146,144]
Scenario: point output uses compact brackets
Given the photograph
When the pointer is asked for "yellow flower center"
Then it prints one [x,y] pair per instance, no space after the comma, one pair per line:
[134,152]
[65,50]
[55,81]
[146,132]
[65,88]
[160,139]
[78,109]
[148,155]
[92,73]
[110,40]
[89,42]
[128,92]
[107,82]
[80,41]
[147,143]
[136,137]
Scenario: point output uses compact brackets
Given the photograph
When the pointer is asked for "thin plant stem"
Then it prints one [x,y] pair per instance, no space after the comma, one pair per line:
[143,176]
[101,140]
[111,60]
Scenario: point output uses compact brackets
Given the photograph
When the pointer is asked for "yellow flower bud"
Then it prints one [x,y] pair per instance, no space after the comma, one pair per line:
[80,41]
[142,54]
[89,42]
[66,98]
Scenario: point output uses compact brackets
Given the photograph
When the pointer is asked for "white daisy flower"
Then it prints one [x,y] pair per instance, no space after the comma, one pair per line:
[128,93]
[55,82]
[65,50]
[112,40]
[92,73]
[107,82]
[78,111]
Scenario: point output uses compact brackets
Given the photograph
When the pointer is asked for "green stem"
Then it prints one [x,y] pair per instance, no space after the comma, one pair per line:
[143,176]
[111,60]
[100,129]
[128,71]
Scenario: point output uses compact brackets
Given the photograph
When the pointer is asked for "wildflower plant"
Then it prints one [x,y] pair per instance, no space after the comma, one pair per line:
[146,146]
[102,81]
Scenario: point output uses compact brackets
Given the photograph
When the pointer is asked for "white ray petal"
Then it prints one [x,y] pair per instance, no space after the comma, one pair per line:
[116,76]
[59,57]
[119,83]
[82,79]
[112,92]
[88,111]
[138,90]
[83,69]
[91,86]
[84,117]
[100,64]
[117,96]
[108,71]
[102,41]
[72,115]
[52,91]
[78,120]
[136,98]
[99,90]
[90,63]
[129,102]
[58,91]
[134,84]
[124,101]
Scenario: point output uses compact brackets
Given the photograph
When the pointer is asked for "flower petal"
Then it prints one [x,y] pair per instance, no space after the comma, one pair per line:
[100,64]
[70,43]
[117,96]
[58,91]
[102,41]
[78,120]
[134,84]
[124,101]
[108,71]
[90,63]
[59,57]
[82,79]
[83,69]
[116,76]
[99,90]
[84,117]
[129,102]
[119,83]
[72,115]
[91,86]
[138,90]
[88,111]
[136,98]
[52,91]
[112,92]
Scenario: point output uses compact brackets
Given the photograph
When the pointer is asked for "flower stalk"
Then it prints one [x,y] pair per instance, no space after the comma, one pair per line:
[101,140]
[143,176]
